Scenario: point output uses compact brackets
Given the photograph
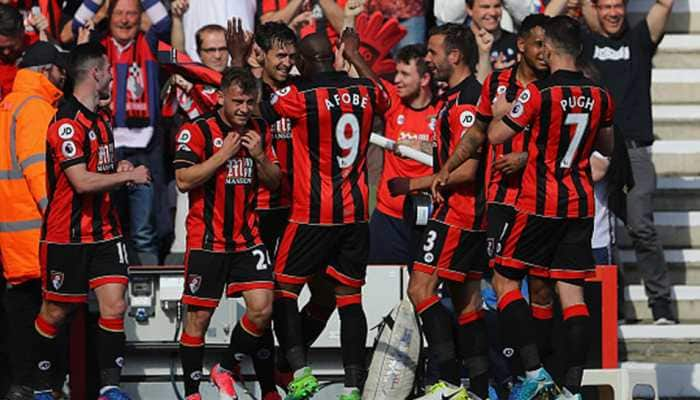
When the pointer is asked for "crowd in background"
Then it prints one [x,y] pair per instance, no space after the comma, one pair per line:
[151,98]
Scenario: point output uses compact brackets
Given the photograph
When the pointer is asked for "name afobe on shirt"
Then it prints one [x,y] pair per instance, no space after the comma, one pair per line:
[239,171]
[346,98]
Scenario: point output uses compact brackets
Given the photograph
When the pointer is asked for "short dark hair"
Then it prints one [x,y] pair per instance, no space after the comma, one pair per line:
[240,77]
[531,22]
[270,34]
[206,28]
[458,37]
[83,57]
[414,52]
[565,33]
[470,3]
[11,22]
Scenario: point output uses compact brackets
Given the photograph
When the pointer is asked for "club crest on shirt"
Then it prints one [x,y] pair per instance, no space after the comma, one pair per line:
[401,119]
[194,282]
[218,142]
[524,96]
[432,122]
[56,279]
[92,135]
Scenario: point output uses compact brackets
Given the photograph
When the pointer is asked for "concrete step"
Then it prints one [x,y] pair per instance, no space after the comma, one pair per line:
[677,193]
[676,157]
[685,302]
[683,266]
[677,230]
[675,86]
[684,19]
[678,51]
[661,344]
[676,122]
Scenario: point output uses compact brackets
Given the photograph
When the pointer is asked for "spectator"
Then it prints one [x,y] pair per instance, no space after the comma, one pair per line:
[623,56]
[307,16]
[24,119]
[12,42]
[215,12]
[195,99]
[410,14]
[497,47]
[135,108]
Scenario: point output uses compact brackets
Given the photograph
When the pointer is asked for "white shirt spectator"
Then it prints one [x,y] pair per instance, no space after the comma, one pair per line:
[447,11]
[206,12]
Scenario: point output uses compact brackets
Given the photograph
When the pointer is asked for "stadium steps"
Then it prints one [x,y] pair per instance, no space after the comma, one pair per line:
[677,229]
[676,121]
[684,19]
[678,51]
[677,193]
[675,86]
[685,301]
[678,157]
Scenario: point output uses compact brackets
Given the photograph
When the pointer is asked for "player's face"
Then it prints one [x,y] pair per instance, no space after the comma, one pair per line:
[103,76]
[213,51]
[532,48]
[436,58]
[125,21]
[611,15]
[10,48]
[238,106]
[279,60]
[486,14]
[407,80]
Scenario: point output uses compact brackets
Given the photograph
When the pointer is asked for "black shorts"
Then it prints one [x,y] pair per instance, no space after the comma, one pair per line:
[499,217]
[547,248]
[271,225]
[69,271]
[456,254]
[207,273]
[308,249]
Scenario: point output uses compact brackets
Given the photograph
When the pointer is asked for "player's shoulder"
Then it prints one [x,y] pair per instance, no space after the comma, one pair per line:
[470,91]
[68,109]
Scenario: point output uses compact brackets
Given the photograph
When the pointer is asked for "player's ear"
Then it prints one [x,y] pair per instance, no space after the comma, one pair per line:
[425,80]
[521,44]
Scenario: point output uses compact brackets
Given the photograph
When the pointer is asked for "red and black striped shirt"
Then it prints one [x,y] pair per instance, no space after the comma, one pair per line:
[564,112]
[464,206]
[222,216]
[501,188]
[281,132]
[332,117]
[79,136]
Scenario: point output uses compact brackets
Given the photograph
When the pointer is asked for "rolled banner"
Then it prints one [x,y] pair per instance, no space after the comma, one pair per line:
[416,155]
[404,151]
[381,141]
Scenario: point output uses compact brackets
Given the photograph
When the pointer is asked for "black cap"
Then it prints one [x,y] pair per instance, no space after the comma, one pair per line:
[42,53]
